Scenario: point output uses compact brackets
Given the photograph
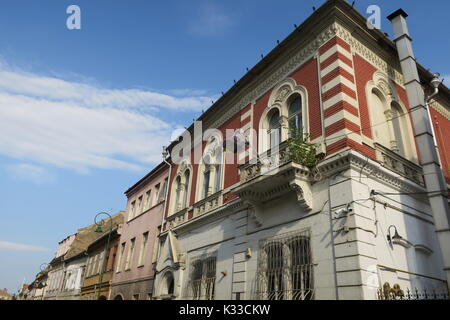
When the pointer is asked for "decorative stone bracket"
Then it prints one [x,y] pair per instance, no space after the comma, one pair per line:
[254,211]
[304,194]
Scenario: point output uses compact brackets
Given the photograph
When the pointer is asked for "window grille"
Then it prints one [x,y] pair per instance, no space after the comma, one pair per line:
[202,279]
[285,268]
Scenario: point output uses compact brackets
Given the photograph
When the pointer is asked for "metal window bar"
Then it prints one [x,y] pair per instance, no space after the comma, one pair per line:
[285,269]
[203,279]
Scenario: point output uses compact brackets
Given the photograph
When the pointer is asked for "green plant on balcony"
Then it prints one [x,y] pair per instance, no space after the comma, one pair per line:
[301,151]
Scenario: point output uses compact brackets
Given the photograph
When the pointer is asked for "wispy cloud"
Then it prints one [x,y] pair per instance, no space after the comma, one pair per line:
[30,172]
[211,21]
[13,246]
[47,120]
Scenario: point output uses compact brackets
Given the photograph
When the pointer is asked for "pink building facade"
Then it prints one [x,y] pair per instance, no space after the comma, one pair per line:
[134,267]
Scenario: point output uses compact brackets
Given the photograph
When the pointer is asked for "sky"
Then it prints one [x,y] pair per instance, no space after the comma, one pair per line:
[84,114]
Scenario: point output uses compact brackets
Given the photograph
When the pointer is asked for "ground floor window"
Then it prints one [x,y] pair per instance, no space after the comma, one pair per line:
[285,268]
[201,285]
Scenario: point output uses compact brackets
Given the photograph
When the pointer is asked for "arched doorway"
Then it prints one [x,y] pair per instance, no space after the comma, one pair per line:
[118,297]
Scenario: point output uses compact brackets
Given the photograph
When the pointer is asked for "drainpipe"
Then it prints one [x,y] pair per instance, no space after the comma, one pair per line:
[429,159]
[165,154]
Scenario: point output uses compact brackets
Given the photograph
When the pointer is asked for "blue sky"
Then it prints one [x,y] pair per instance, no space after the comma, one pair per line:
[84,113]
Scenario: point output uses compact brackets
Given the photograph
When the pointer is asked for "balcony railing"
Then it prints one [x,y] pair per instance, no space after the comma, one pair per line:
[208,204]
[267,163]
[177,218]
[400,165]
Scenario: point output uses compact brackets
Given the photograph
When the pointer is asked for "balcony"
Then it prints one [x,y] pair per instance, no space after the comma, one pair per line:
[273,175]
[208,204]
[395,162]
[176,219]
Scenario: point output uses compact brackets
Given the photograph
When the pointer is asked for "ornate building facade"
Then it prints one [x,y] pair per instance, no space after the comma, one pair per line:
[266,226]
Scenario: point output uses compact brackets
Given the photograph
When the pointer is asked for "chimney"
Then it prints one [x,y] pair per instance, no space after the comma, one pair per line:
[429,158]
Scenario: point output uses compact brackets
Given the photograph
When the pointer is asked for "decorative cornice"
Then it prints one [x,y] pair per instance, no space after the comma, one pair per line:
[445,112]
[369,55]
[278,75]
[374,170]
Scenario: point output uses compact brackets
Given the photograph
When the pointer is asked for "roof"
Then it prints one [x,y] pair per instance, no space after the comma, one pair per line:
[87,235]
[303,31]
[147,177]
[4,293]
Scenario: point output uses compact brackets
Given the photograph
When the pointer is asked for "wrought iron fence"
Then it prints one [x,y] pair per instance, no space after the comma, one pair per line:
[414,294]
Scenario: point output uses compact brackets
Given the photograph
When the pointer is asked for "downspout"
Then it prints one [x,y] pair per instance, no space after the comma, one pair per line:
[429,161]
[165,154]
[333,249]
[435,83]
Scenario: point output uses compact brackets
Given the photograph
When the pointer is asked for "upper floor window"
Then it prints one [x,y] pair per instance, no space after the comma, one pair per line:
[274,131]
[143,250]
[132,210]
[148,197]
[162,194]
[210,174]
[187,176]
[295,114]
[119,259]
[130,254]
[157,191]
[206,180]
[285,114]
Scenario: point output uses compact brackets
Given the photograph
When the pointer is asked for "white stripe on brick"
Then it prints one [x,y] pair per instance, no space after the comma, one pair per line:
[246,126]
[246,115]
[333,50]
[341,96]
[342,134]
[343,114]
[338,80]
[336,64]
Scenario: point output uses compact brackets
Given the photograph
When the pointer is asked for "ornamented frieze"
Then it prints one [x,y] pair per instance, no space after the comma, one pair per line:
[441,109]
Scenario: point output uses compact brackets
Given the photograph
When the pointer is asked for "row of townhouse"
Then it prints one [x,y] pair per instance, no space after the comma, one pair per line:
[327,189]
[115,261]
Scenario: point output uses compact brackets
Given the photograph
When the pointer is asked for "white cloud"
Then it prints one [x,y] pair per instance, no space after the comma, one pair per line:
[30,172]
[212,21]
[81,126]
[13,246]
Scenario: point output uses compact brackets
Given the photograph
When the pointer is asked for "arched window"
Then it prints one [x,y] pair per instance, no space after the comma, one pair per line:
[218,171]
[177,193]
[400,128]
[380,127]
[206,179]
[274,131]
[295,114]
[187,175]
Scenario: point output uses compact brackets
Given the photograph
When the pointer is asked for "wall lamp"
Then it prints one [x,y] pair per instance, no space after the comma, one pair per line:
[396,236]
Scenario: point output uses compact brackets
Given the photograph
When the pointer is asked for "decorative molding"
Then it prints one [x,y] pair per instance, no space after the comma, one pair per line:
[374,170]
[297,60]
[369,55]
[278,75]
[440,108]
[304,194]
